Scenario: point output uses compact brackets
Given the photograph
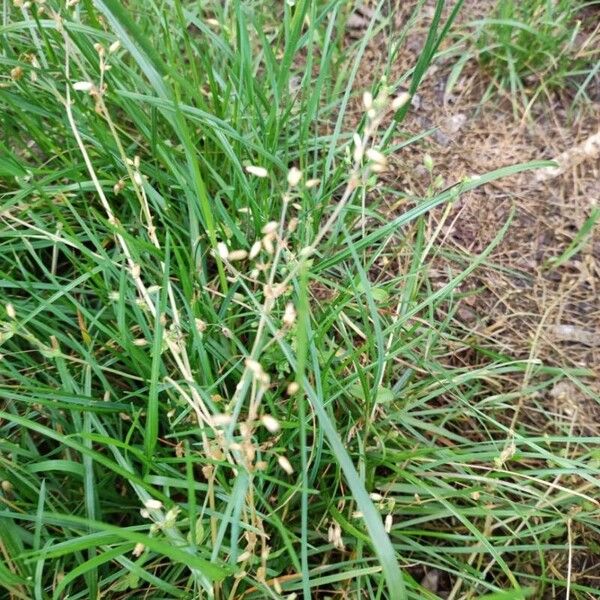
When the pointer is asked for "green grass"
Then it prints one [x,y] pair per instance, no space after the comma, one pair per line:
[531,49]
[139,359]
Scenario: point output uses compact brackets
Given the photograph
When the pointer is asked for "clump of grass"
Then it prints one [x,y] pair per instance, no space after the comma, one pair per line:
[223,371]
[536,46]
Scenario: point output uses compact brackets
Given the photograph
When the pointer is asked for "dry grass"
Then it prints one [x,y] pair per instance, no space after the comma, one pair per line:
[524,307]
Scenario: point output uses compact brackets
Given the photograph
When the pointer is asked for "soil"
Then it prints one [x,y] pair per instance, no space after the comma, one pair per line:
[524,306]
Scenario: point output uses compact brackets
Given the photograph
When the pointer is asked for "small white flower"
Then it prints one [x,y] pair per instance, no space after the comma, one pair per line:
[114,47]
[237,255]
[389,521]
[284,463]
[257,171]
[255,250]
[292,388]
[294,177]
[83,86]
[220,420]
[270,423]
[222,250]
[400,100]
[270,228]
[289,315]
[152,504]
[367,100]
[376,156]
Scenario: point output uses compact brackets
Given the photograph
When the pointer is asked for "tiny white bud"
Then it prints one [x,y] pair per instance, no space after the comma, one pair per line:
[311,183]
[294,177]
[237,255]
[114,47]
[222,250]
[376,156]
[83,86]
[284,463]
[358,147]
[376,497]
[10,311]
[292,388]
[389,521]
[367,100]
[270,228]
[255,250]
[270,423]
[400,100]
[137,178]
[152,504]
[289,315]
[257,171]
[220,420]
[138,549]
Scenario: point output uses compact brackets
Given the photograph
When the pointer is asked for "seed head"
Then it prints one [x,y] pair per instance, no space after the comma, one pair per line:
[257,171]
[270,228]
[389,521]
[270,423]
[284,463]
[255,250]
[400,100]
[222,251]
[83,86]
[152,504]
[294,177]
[289,315]
[237,255]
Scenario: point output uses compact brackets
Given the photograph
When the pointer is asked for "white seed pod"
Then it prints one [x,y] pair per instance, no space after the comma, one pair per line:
[270,423]
[358,148]
[284,463]
[83,86]
[255,250]
[400,100]
[289,315]
[293,388]
[257,171]
[138,549]
[270,228]
[376,156]
[389,521]
[238,255]
[294,176]
[222,251]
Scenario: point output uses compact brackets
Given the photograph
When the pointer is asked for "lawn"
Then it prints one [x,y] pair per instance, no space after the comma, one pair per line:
[264,335]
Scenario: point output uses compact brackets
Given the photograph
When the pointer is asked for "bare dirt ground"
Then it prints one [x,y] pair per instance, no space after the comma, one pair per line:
[525,307]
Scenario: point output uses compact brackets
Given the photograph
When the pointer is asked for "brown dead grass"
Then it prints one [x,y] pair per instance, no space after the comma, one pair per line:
[524,307]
